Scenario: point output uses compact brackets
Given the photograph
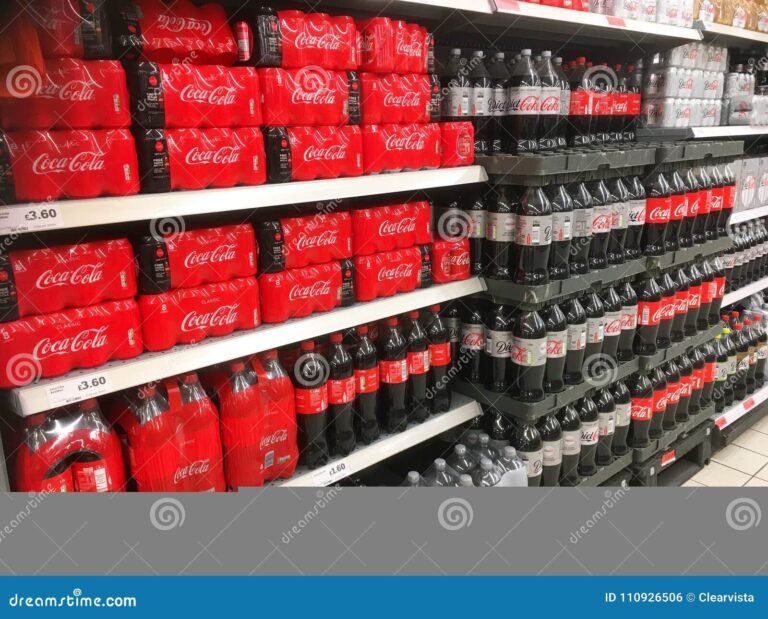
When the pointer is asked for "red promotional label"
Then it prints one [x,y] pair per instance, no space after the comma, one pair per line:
[581,103]
[679,207]
[705,201]
[657,210]
[367,381]
[729,196]
[708,290]
[393,372]
[311,401]
[341,391]
[694,297]
[440,354]
[668,457]
[615,21]
[660,399]
[641,409]
[681,301]
[91,477]
[635,102]
[720,285]
[649,313]
[418,362]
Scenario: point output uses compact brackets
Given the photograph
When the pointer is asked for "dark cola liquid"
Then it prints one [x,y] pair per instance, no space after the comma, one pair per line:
[619,221]
[606,409]
[648,316]
[602,201]
[562,232]
[528,356]
[552,449]
[474,207]
[628,323]
[694,301]
[570,426]
[657,213]
[641,392]
[686,385]
[668,305]
[366,367]
[678,211]
[707,295]
[682,286]
[710,372]
[533,238]
[576,342]
[595,311]
[498,349]
[557,342]
[418,368]
[527,441]
[622,402]
[521,121]
[440,361]
[590,433]
[393,373]
[697,381]
[672,374]
[659,405]
[612,322]
[583,207]
[341,401]
[500,233]
[636,219]
[471,342]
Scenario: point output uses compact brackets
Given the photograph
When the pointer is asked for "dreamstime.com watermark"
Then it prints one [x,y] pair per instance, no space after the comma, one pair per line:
[35,498]
[74,600]
[612,497]
[324,497]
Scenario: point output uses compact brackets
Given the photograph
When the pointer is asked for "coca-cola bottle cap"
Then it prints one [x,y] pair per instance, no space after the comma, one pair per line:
[460,449]
[308,345]
[747,322]
[236,366]
[362,329]
[735,313]
[434,308]
[738,326]
[336,338]
[499,55]
[189,379]
[456,51]
[270,354]
[510,452]
[440,464]
[724,317]
[546,54]
[486,464]
[525,52]
[413,315]
[149,391]
[465,481]
[478,53]
[391,322]
[413,477]
[581,60]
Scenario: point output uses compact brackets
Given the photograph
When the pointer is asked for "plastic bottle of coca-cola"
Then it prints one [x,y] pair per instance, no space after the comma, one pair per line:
[721,375]
[678,211]
[612,320]
[524,95]
[552,449]
[527,441]
[499,101]
[549,106]
[701,231]
[706,292]
[473,204]
[693,199]
[498,348]
[717,220]
[710,373]
[657,212]
[641,412]
[672,375]
[619,220]
[457,89]
[602,201]
[528,356]
[533,238]
[623,402]
[562,231]
[686,387]
[583,208]
[393,377]
[606,409]
[565,104]
[580,119]
[595,311]
[658,409]
[310,376]
[557,341]
[480,102]
[648,316]
[668,305]
[636,218]
[697,380]
[341,398]
[682,284]
[576,319]
[451,315]
[500,233]
[439,359]
[694,300]
[366,369]
[570,425]
[628,299]
[590,433]
[418,367]
[472,341]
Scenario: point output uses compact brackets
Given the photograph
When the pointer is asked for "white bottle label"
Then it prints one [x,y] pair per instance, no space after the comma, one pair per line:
[498,343]
[601,219]
[533,231]
[534,461]
[612,324]
[478,220]
[529,353]
[628,317]
[524,100]
[622,414]
[607,423]
[582,222]
[553,453]
[595,330]
[550,101]
[577,336]
[619,215]
[590,431]
[480,98]
[500,227]
[636,212]
[562,229]
[571,442]
[556,344]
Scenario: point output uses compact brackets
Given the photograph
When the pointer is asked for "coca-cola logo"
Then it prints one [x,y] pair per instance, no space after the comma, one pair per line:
[550,105]
[661,403]
[668,311]
[75,91]
[640,412]
[87,339]
[223,156]
[81,162]
[410,48]
[406,225]
[555,348]
[502,348]
[221,95]
[221,316]
[334,152]
[459,259]
[613,327]
[401,271]
[658,214]
[320,96]
[278,436]
[408,99]
[694,299]
[174,23]
[83,275]
[680,209]
[620,107]
[528,103]
[472,340]
[307,241]
[413,141]
[221,253]
[198,467]
[327,41]
[315,289]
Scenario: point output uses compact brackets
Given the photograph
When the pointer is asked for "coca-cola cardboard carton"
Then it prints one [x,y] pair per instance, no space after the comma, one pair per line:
[394,98]
[171,159]
[74,94]
[195,257]
[73,29]
[295,293]
[309,96]
[188,96]
[391,148]
[53,344]
[392,46]
[384,228]
[387,273]
[450,260]
[457,144]
[189,315]
[50,279]
[177,32]
[49,165]
[308,153]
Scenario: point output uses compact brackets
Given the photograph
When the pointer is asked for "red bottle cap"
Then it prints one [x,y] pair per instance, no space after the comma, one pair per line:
[362,329]
[236,366]
[189,379]
[336,338]
[414,314]
[391,322]
[434,308]
[308,345]
[738,326]
[747,322]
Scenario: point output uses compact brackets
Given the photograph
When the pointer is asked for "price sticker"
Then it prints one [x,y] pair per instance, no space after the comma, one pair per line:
[29,217]
[668,458]
[507,5]
[616,21]
[330,473]
[78,389]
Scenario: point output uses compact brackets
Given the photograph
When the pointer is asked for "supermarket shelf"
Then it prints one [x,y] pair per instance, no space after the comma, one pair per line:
[606,472]
[687,133]
[730,36]
[752,213]
[737,411]
[670,436]
[83,384]
[34,217]
[745,291]
[463,410]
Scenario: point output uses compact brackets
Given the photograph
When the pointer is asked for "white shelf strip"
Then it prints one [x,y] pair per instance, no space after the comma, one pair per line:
[84,384]
[727,417]
[729,35]
[752,213]
[745,291]
[463,410]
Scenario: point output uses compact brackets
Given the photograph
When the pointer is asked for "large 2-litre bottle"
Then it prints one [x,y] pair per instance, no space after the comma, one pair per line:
[366,367]
[552,448]
[310,378]
[528,356]
[418,367]
[533,238]
[393,377]
[439,360]
[341,398]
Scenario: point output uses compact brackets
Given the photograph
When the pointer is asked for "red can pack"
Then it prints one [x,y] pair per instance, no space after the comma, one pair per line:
[73,29]
[74,94]
[295,293]
[69,450]
[309,153]
[189,96]
[189,315]
[392,46]
[384,228]
[171,159]
[393,98]
[457,144]
[391,148]
[50,279]
[52,345]
[309,96]
[387,273]
[450,260]
[196,257]
[177,32]
[317,39]
[50,165]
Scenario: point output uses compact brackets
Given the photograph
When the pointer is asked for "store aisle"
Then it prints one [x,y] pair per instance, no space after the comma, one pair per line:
[742,463]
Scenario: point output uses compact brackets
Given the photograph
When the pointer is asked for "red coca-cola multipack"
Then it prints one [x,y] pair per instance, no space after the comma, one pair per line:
[384,228]
[394,98]
[450,260]
[457,144]
[387,273]
[393,46]
[68,29]
[392,148]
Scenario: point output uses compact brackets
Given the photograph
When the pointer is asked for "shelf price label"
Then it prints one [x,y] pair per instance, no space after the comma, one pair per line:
[331,473]
[668,458]
[508,5]
[29,217]
[78,389]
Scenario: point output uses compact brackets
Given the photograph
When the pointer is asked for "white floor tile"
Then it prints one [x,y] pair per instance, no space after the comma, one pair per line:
[756,441]
[693,484]
[762,473]
[716,474]
[761,426]
[740,459]
[756,483]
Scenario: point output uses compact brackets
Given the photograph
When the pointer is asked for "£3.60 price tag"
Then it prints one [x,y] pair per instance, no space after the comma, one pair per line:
[330,473]
[29,217]
[77,389]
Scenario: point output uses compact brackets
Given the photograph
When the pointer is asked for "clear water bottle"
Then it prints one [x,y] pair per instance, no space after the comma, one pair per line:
[513,470]
[485,475]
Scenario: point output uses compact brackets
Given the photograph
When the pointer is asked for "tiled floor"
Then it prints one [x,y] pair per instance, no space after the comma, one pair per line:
[742,463]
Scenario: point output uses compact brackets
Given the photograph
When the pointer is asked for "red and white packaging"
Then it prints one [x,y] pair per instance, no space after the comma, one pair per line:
[384,228]
[391,148]
[69,450]
[309,153]
[172,159]
[52,345]
[68,29]
[50,279]
[450,261]
[50,165]
[74,94]
[309,96]
[457,144]
[393,98]
[318,39]
[177,32]
[387,273]
[190,315]
[392,46]
[189,96]
[316,239]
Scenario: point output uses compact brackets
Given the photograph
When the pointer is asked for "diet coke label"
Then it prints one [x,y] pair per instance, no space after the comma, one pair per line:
[590,432]
[601,219]
[533,230]
[529,353]
[84,274]
[224,315]
[550,101]
[612,324]
[88,339]
[629,318]
[473,337]
[577,336]
[222,253]
[524,100]
[556,344]
[498,343]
